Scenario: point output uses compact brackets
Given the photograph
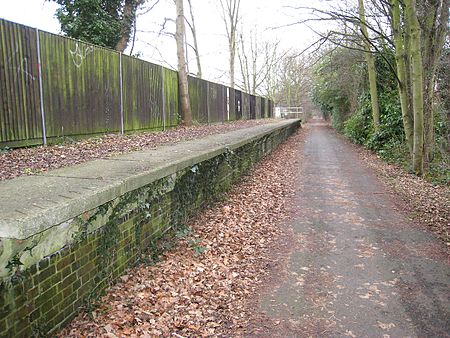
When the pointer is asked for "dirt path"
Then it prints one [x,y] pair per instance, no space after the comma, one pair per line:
[356,266]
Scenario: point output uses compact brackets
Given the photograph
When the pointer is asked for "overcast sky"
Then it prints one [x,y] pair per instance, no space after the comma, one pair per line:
[260,16]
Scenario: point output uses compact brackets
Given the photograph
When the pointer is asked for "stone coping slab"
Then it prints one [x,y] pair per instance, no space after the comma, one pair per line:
[32,204]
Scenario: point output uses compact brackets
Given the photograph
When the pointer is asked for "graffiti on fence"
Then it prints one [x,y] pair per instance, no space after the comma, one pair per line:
[22,68]
[80,54]
[101,92]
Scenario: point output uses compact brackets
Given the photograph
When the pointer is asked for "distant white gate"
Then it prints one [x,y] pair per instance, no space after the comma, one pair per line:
[289,112]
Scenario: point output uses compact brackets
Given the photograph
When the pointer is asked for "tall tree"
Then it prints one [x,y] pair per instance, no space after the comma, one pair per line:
[186,114]
[419,29]
[257,61]
[230,15]
[403,75]
[417,82]
[293,81]
[194,37]
[107,23]
[370,67]
[127,23]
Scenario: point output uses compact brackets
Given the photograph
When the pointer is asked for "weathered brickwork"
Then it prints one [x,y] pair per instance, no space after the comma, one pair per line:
[40,298]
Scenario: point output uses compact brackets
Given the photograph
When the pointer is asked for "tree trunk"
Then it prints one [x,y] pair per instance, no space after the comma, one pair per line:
[232,57]
[243,62]
[403,89]
[194,35]
[417,85]
[434,28]
[230,14]
[370,68]
[129,16]
[186,114]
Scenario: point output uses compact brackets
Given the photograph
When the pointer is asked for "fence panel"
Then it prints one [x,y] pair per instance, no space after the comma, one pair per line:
[81,87]
[20,114]
[198,99]
[171,102]
[231,104]
[217,102]
[238,104]
[245,106]
[258,107]
[263,107]
[142,94]
[252,107]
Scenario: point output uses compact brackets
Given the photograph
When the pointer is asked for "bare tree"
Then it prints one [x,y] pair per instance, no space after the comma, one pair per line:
[416,30]
[293,79]
[194,36]
[230,15]
[128,22]
[257,61]
[125,31]
[419,30]
[186,114]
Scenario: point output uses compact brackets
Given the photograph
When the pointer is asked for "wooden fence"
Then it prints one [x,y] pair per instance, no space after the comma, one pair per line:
[53,87]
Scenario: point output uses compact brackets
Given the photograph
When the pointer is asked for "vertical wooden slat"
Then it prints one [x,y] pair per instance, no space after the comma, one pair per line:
[143,101]
[81,87]
[86,89]
[19,105]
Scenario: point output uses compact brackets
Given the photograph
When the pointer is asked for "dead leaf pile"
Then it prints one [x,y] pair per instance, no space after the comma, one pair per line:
[28,161]
[192,292]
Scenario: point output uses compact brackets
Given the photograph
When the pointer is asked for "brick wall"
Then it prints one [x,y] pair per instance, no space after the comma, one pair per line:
[43,297]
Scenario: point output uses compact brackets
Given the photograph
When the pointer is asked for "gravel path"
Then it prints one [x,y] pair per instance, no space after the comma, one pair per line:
[357,266]
[26,161]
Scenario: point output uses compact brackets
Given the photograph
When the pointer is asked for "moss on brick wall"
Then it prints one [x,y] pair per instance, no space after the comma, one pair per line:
[47,283]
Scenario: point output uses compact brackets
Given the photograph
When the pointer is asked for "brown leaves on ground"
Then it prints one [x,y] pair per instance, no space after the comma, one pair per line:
[425,202]
[202,286]
[26,161]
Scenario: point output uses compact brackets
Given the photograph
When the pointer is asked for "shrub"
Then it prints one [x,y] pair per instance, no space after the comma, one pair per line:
[358,127]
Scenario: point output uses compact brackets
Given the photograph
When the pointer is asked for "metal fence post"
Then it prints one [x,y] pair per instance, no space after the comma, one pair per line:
[41,92]
[163,98]
[228,90]
[207,102]
[121,94]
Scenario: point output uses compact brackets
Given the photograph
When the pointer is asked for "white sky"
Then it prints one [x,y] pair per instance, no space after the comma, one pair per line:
[257,15]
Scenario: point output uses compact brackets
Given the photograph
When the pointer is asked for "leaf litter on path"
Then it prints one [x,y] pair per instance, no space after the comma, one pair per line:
[32,160]
[191,292]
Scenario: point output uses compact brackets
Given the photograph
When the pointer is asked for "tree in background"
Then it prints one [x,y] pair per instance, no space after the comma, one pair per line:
[230,15]
[370,66]
[193,29]
[107,23]
[186,114]
[338,83]
[293,81]
[257,60]
[419,30]
[412,30]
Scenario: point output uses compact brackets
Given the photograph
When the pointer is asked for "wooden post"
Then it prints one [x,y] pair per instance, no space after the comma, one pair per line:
[207,101]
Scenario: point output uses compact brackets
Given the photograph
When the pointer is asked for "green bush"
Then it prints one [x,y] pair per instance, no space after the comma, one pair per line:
[390,132]
[337,121]
[439,168]
[358,127]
